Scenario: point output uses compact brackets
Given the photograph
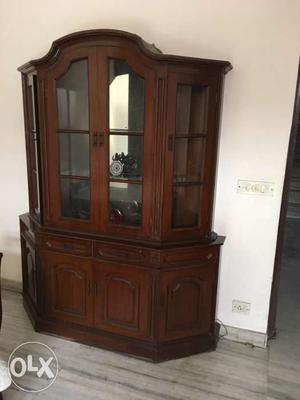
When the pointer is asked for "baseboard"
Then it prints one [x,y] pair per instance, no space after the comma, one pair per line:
[256,339]
[13,286]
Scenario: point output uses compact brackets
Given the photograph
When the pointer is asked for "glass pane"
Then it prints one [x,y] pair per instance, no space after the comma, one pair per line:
[188,159]
[75,198]
[125,156]
[186,206]
[72,97]
[126,98]
[74,154]
[125,203]
[191,109]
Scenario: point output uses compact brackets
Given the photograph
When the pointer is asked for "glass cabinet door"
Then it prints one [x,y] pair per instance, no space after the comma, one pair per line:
[73,140]
[71,98]
[189,147]
[126,130]
[100,156]
[128,176]
[190,131]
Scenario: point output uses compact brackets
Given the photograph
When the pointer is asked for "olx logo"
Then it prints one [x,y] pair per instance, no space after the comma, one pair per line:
[33,366]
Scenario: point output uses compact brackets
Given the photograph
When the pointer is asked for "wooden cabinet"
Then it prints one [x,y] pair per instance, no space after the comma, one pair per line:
[68,283]
[121,145]
[187,298]
[105,295]
[122,302]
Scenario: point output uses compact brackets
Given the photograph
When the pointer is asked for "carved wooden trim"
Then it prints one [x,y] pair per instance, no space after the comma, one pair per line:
[98,35]
[158,164]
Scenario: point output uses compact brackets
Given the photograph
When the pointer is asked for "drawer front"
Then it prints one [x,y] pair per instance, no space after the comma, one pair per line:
[190,256]
[117,252]
[68,245]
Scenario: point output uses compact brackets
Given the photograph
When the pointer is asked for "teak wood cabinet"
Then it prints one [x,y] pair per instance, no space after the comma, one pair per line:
[117,247]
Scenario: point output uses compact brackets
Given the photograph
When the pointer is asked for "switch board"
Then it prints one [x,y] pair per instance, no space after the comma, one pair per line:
[255,187]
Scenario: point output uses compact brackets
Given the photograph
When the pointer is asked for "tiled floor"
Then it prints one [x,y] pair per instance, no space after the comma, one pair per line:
[234,371]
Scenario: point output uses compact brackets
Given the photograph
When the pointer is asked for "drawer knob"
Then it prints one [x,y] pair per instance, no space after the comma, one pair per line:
[48,244]
[209,256]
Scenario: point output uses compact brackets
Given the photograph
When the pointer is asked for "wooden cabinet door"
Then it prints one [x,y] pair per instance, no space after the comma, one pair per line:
[122,299]
[29,273]
[187,302]
[68,283]
[191,140]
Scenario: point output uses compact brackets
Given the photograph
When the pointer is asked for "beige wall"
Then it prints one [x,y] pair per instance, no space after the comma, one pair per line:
[262,40]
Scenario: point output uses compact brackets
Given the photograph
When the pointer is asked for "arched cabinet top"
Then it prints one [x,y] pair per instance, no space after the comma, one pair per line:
[111,36]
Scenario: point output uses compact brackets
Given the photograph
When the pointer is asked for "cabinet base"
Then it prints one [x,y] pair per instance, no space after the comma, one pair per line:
[150,351]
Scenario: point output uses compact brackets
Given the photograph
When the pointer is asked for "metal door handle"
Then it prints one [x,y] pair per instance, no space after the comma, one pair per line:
[95,139]
[170,142]
[96,288]
[101,138]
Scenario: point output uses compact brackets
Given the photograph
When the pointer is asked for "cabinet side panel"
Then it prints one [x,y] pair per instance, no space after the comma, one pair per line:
[30,101]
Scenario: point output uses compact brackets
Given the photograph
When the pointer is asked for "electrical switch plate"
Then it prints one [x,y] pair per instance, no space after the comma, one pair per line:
[241,307]
[255,187]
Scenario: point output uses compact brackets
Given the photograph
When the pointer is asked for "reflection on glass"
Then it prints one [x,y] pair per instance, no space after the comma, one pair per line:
[126,98]
[191,109]
[72,97]
[125,156]
[186,201]
[188,159]
[74,154]
[125,204]
[75,198]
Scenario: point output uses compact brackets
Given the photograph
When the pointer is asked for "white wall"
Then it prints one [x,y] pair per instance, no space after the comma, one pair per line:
[262,40]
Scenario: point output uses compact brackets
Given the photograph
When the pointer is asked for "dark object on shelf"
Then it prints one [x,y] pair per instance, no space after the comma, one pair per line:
[115,216]
[118,253]
[128,213]
[126,166]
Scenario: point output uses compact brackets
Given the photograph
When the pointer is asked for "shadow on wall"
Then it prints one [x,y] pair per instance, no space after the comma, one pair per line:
[11,272]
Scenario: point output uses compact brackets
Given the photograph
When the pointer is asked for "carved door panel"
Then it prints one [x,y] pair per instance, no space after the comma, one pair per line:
[122,299]
[187,302]
[68,283]
[29,271]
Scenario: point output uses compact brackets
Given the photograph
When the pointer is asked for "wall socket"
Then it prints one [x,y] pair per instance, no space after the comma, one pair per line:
[241,307]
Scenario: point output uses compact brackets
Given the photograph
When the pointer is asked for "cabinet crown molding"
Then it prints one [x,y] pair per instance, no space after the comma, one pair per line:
[100,35]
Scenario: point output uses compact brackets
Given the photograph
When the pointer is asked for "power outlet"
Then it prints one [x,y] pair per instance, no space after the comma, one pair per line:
[241,307]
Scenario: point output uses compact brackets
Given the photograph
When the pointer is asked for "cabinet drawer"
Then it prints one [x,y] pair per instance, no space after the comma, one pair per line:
[117,252]
[68,245]
[190,256]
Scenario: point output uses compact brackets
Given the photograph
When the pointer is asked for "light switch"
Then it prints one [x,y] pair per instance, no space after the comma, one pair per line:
[255,187]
